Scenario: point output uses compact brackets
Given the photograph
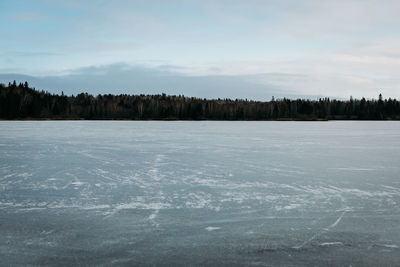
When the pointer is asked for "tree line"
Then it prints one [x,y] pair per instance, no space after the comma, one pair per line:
[23,102]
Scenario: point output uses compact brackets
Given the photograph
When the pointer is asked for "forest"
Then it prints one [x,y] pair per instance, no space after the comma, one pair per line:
[23,102]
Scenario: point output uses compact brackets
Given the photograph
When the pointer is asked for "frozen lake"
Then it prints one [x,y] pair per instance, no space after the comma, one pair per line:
[200,193]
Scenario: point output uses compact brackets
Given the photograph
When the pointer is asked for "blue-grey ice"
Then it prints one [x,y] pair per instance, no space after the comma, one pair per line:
[199,193]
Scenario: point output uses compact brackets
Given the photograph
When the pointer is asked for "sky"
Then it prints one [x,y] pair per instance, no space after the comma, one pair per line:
[252,49]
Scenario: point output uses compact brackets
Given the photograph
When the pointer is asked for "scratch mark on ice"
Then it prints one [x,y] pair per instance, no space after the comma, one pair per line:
[322,231]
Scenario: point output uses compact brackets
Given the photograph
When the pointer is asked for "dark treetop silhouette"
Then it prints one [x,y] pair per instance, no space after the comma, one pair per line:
[22,102]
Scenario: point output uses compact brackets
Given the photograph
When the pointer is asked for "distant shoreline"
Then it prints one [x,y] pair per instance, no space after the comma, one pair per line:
[20,102]
[123,119]
[199,120]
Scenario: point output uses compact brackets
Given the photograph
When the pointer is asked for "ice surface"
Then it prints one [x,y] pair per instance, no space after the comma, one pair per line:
[199,193]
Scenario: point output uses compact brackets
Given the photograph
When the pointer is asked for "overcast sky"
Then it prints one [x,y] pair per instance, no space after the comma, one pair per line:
[206,48]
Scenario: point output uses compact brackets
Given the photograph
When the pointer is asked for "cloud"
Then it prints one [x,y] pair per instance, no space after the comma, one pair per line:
[137,79]
[293,20]
[338,75]
[29,54]
[311,81]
